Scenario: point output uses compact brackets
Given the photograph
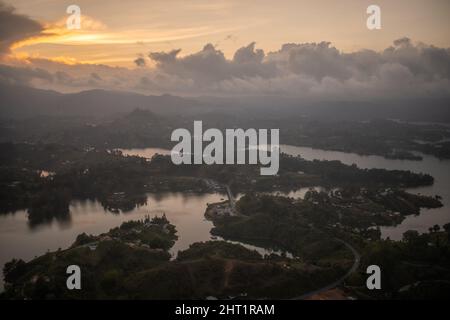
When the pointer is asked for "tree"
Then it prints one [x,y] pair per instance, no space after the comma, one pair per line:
[411,236]
[447,228]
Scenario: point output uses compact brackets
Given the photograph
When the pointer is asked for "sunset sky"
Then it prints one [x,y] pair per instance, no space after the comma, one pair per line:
[114,32]
[156,45]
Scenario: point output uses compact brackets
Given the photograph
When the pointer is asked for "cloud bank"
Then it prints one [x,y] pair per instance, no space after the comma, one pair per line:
[311,70]
[303,70]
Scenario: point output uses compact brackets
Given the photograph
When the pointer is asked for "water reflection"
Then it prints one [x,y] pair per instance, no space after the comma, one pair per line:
[439,169]
[300,193]
[64,221]
[147,153]
[185,211]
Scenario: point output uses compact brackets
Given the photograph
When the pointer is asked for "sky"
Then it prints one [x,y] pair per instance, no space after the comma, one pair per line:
[312,48]
[123,29]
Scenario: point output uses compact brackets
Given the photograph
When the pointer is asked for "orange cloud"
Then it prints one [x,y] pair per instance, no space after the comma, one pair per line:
[58,33]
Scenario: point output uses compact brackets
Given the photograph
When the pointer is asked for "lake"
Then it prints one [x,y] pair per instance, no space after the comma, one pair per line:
[186,211]
[439,169]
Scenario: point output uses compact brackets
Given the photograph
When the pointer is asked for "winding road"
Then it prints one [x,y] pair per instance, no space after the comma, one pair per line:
[231,198]
[339,281]
[334,284]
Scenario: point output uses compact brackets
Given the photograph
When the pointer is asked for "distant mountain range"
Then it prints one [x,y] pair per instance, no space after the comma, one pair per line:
[20,102]
[23,102]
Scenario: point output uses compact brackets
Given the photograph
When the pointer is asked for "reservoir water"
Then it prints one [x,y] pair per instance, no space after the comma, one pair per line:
[439,169]
[186,211]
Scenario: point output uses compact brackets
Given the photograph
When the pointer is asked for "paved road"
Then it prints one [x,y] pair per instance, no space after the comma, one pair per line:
[356,262]
[339,281]
[231,198]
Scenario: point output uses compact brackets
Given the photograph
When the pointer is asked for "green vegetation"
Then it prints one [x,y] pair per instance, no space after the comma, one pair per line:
[131,262]
[120,183]
[418,267]
[280,223]
[386,138]
[307,227]
[105,260]
[143,128]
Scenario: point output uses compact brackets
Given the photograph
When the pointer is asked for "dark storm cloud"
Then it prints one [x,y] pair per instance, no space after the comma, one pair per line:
[211,66]
[140,62]
[15,27]
[164,57]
